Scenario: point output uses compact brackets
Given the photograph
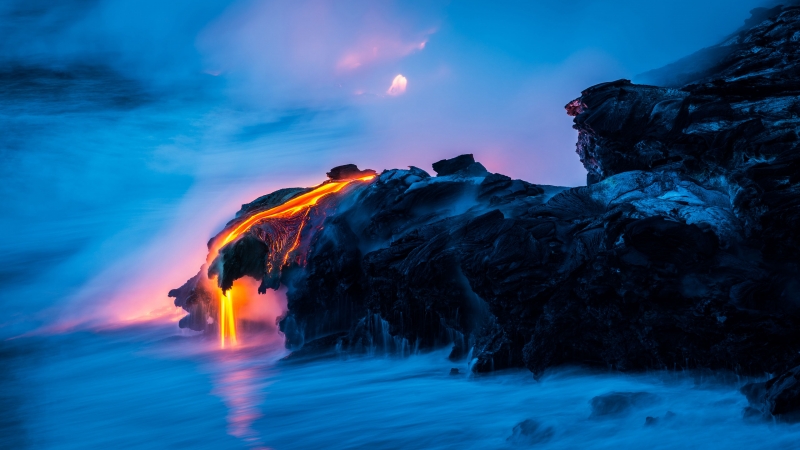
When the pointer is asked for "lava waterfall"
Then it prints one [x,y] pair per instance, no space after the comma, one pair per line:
[258,243]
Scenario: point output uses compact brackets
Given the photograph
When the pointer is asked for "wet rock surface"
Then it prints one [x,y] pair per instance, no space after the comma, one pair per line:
[463,164]
[616,404]
[651,421]
[348,171]
[681,252]
[530,432]
[777,398]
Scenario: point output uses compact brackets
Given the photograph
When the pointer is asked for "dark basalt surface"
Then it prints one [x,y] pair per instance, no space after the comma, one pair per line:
[348,171]
[682,252]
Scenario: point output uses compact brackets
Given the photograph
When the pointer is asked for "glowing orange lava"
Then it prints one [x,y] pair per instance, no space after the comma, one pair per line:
[227,322]
[300,204]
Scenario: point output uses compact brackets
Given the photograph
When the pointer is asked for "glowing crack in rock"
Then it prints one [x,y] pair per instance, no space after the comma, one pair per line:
[398,86]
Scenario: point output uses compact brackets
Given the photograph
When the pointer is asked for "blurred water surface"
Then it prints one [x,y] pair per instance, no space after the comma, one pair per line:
[141,387]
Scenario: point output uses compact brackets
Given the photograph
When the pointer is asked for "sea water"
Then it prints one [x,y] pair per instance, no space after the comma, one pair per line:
[154,387]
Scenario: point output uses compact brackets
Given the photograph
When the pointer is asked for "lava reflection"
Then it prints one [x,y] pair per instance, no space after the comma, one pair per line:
[240,381]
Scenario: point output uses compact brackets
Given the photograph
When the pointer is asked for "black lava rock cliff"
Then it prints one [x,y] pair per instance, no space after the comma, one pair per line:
[682,252]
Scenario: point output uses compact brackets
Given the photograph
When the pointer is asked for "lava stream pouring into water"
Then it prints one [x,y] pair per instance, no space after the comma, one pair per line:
[227,330]
[298,205]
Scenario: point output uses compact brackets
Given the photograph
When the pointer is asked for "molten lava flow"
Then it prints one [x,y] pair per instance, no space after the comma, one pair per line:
[290,208]
[300,204]
[227,322]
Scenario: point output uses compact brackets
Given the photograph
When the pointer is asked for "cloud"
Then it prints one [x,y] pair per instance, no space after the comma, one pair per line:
[314,51]
[376,49]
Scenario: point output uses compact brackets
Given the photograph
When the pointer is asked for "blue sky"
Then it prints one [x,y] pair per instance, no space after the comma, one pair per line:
[134,129]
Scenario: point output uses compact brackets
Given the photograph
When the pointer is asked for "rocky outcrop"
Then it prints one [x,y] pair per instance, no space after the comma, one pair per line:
[348,172]
[465,164]
[707,63]
[681,252]
[777,398]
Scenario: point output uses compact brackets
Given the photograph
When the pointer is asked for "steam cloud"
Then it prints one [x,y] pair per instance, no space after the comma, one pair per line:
[131,127]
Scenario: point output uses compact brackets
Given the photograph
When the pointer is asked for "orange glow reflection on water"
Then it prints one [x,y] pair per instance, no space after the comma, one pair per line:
[240,384]
[241,391]
[240,372]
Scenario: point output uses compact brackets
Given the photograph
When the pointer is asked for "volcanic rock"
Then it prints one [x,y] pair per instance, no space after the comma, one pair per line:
[197,302]
[270,200]
[680,253]
[779,397]
[619,403]
[348,172]
[463,164]
[651,421]
[529,432]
